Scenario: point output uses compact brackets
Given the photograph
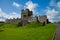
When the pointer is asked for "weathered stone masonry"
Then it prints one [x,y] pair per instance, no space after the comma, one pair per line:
[26,17]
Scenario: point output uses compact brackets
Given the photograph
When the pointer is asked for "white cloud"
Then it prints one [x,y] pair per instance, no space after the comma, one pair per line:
[31,6]
[16,4]
[4,15]
[58,5]
[52,3]
[14,15]
[53,11]
[0,9]
[53,15]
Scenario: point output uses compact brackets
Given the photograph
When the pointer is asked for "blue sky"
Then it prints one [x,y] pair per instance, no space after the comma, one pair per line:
[12,8]
[7,5]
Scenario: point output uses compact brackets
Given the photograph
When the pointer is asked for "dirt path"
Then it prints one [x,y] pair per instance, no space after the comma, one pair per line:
[57,35]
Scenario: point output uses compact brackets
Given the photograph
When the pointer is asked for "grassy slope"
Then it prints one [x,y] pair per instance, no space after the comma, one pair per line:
[32,31]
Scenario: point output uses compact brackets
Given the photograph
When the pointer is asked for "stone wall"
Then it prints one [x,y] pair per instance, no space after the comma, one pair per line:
[32,19]
[27,16]
[13,20]
[43,19]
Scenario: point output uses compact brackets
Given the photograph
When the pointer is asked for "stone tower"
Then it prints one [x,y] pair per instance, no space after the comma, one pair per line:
[25,15]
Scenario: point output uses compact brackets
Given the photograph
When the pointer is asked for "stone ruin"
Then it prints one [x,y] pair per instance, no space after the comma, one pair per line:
[43,19]
[26,17]
[13,20]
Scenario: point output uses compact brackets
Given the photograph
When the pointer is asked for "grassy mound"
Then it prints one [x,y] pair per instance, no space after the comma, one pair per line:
[31,31]
[9,25]
[33,24]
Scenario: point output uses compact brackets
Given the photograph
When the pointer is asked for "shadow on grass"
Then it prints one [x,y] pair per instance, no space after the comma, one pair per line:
[1,30]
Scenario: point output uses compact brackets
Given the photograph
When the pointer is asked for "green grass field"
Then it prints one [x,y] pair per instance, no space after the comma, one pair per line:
[32,31]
